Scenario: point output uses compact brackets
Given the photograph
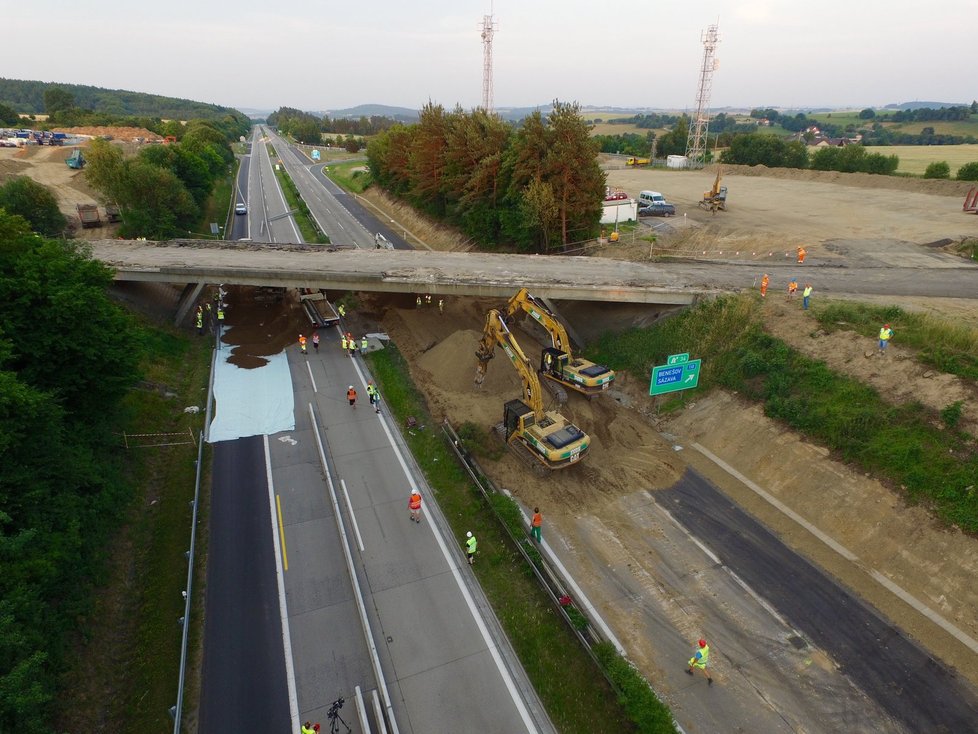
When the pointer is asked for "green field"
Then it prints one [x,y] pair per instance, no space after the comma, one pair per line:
[956,127]
[915,158]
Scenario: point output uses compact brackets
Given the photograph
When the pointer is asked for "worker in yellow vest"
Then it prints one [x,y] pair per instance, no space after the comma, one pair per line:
[471,546]
[343,343]
[886,333]
[806,296]
[700,660]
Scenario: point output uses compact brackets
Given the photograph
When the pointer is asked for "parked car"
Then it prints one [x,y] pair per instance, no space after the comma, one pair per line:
[657,209]
[240,209]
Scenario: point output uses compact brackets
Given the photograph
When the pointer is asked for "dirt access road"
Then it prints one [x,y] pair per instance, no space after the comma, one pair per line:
[654,585]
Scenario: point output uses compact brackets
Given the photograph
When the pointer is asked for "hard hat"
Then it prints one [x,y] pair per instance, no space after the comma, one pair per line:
[468,534]
[351,387]
[886,326]
[702,643]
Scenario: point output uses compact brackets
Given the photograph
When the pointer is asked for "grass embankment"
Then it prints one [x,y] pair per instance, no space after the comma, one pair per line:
[123,676]
[575,694]
[915,448]
[947,347]
[354,177]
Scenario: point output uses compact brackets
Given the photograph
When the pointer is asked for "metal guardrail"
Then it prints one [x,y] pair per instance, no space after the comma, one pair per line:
[546,574]
[177,710]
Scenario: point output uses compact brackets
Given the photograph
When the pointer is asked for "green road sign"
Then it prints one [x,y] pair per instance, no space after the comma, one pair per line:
[677,358]
[672,378]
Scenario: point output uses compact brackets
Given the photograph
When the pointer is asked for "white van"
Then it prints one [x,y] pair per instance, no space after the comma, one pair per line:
[647,198]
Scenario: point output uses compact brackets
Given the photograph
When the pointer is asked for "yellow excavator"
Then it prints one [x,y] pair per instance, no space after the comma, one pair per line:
[532,433]
[716,198]
[557,363]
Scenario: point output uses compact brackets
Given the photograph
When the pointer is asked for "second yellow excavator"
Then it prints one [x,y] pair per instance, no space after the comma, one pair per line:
[557,363]
[528,430]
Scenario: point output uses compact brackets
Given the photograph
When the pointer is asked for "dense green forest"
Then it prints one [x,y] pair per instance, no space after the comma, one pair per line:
[538,186]
[67,357]
[28,97]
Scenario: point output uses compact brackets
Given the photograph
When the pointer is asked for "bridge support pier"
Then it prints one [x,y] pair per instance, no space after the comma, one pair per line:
[191,293]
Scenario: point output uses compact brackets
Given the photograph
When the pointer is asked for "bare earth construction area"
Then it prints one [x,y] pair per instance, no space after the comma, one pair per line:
[609,518]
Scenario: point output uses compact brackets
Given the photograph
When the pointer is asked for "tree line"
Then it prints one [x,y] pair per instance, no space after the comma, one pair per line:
[62,492]
[162,190]
[535,187]
[309,129]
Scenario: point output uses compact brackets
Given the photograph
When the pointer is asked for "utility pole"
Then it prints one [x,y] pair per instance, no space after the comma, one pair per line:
[699,127]
[488,29]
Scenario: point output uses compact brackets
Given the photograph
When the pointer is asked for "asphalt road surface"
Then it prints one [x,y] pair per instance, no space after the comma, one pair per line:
[903,679]
[332,216]
[243,685]
[432,652]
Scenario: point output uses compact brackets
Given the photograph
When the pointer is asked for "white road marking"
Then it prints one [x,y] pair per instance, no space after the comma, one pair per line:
[353,518]
[900,592]
[282,606]
[457,575]
[309,367]
[357,593]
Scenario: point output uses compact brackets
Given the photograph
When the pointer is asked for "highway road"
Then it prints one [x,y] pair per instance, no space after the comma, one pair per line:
[323,198]
[318,582]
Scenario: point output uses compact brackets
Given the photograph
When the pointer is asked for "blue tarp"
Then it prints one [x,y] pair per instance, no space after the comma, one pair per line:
[251,402]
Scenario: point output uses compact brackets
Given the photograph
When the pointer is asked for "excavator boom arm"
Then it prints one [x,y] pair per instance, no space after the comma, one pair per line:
[496,333]
[523,301]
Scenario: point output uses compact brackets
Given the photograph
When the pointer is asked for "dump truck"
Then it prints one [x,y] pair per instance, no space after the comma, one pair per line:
[76,160]
[541,438]
[557,363]
[318,308]
[112,213]
[88,214]
[637,162]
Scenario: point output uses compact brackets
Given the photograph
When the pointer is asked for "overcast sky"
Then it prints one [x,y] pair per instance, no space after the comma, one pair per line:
[321,55]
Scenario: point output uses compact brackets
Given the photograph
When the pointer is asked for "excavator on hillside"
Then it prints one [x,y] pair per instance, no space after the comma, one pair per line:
[557,363]
[529,431]
[716,198]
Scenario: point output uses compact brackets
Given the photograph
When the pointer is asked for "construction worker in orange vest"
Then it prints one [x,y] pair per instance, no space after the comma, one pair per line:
[792,289]
[414,504]
[302,343]
[536,525]
[764,283]
[801,254]
[351,395]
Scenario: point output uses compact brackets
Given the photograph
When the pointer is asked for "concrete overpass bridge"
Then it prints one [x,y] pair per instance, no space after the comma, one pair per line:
[199,262]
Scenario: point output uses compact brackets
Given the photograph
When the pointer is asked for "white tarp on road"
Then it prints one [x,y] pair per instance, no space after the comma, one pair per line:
[251,402]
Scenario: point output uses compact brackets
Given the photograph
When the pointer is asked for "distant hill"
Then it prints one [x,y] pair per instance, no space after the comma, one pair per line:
[404,114]
[27,97]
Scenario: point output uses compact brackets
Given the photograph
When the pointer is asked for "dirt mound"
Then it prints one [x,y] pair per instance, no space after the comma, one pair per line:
[453,360]
[127,134]
[937,187]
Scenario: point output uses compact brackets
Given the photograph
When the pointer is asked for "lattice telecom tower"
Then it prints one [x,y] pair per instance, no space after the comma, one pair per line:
[700,124]
[488,29]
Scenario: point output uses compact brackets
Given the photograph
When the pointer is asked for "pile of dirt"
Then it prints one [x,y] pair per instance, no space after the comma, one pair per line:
[127,134]
[938,187]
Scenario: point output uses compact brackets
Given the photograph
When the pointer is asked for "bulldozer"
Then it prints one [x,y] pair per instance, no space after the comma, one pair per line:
[716,198]
[557,363]
[541,438]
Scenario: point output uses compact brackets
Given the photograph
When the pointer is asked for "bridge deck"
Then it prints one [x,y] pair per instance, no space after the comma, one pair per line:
[404,271]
